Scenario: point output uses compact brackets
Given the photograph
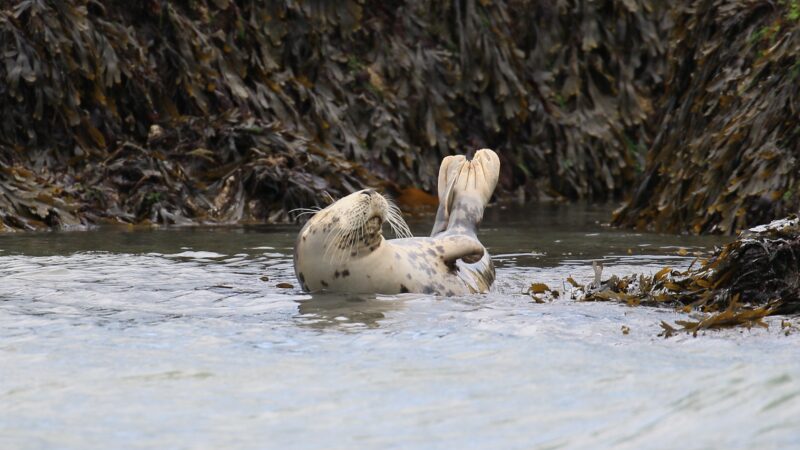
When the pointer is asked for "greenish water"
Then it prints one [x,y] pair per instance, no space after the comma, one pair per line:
[180,338]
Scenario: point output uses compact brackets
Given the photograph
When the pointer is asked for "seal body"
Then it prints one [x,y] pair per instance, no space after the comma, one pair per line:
[341,248]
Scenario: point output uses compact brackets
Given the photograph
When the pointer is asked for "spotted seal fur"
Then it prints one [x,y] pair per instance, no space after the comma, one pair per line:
[341,248]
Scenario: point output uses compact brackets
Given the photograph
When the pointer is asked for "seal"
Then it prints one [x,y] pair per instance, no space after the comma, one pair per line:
[341,248]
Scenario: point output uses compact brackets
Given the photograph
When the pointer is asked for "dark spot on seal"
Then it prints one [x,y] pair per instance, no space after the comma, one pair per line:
[369,277]
[336,274]
[353,253]
[440,248]
[301,277]
[431,252]
[450,293]
[346,273]
[427,290]
[324,283]
[305,287]
[397,255]
[304,238]
[403,289]
[408,275]
[372,249]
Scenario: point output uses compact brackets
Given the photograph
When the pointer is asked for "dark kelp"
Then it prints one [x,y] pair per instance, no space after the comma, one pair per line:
[755,276]
[726,154]
[220,110]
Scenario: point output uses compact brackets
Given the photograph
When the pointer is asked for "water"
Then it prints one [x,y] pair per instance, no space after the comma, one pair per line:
[180,338]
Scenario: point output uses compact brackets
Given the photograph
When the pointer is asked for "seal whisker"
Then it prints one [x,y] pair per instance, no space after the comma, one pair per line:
[352,243]
[305,213]
[395,219]
[399,227]
[332,242]
[329,197]
[359,238]
[346,246]
[312,209]
[300,212]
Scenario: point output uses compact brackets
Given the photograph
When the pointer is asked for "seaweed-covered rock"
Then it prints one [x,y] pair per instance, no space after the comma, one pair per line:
[726,154]
[756,275]
[176,111]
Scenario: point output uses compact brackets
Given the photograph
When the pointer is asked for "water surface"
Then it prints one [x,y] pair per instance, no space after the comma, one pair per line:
[180,338]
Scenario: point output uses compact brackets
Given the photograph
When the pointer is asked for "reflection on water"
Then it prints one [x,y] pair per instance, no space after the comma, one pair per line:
[346,310]
[182,338]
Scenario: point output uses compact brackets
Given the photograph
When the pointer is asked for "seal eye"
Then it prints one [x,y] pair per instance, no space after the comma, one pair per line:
[367,192]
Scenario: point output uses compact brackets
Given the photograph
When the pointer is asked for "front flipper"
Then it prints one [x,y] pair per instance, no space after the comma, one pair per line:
[465,248]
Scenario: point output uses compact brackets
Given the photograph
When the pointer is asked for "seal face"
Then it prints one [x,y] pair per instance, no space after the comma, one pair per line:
[341,248]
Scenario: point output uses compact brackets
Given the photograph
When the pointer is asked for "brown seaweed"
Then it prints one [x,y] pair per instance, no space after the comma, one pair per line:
[220,110]
[726,154]
[743,282]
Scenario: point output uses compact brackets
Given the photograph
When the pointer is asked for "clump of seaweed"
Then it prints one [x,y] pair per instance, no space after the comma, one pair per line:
[755,276]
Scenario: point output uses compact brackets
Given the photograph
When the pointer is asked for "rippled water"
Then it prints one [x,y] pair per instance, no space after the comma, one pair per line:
[180,338]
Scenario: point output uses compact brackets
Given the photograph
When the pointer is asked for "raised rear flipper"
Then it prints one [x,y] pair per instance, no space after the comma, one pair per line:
[465,187]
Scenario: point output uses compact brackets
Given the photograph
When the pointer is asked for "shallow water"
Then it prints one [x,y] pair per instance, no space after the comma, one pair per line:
[180,338]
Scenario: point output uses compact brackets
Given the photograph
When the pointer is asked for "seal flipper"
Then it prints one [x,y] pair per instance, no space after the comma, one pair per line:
[457,247]
[448,173]
[465,187]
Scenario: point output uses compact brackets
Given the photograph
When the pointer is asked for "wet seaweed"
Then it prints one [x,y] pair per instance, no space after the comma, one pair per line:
[542,293]
[220,110]
[725,156]
[740,284]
